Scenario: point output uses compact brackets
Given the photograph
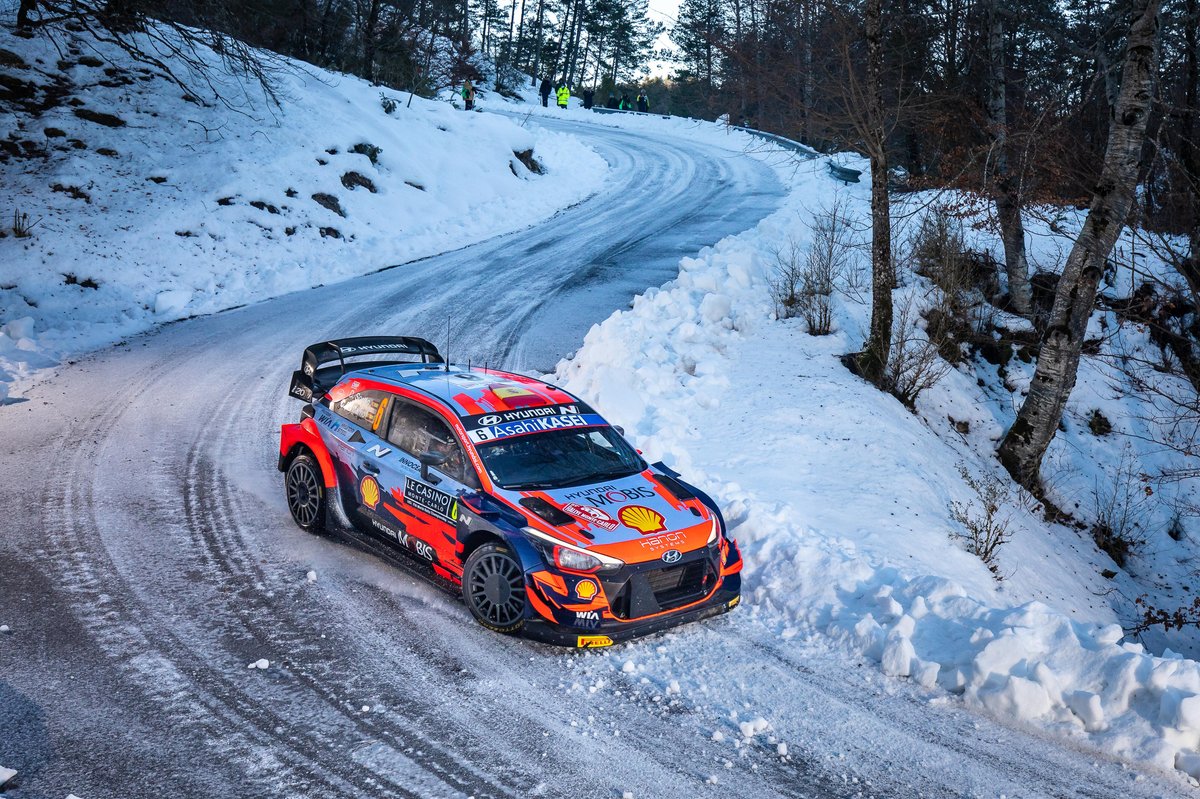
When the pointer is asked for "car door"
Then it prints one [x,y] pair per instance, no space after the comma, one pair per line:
[358,447]
[420,506]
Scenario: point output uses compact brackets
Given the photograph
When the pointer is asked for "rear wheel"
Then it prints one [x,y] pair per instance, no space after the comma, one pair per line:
[306,493]
[494,588]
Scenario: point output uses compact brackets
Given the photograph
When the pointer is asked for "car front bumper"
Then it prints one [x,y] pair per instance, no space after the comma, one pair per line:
[588,611]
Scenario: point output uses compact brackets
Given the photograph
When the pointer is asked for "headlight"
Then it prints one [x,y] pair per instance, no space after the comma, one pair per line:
[569,556]
[715,532]
[575,561]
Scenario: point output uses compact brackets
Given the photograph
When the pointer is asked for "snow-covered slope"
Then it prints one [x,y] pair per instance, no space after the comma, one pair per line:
[841,499]
[149,204]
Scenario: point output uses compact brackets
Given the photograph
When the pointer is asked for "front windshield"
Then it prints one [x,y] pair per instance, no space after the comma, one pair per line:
[560,458]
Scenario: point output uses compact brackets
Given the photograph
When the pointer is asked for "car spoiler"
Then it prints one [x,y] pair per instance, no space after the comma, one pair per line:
[313,378]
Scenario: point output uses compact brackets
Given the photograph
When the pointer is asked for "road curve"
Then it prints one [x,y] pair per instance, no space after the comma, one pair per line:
[148,557]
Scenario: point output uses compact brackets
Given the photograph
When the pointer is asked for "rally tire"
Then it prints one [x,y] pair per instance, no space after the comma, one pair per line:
[494,588]
[305,490]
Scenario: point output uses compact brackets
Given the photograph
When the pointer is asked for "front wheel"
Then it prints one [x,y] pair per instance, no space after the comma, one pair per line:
[306,493]
[494,588]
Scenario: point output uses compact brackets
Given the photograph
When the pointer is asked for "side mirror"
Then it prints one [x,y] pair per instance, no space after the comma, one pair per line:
[620,430]
[428,459]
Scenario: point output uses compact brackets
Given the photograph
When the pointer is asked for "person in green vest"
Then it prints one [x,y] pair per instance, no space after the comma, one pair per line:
[468,94]
[564,96]
[626,103]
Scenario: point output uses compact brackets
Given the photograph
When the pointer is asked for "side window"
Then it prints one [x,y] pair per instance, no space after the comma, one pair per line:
[366,409]
[415,431]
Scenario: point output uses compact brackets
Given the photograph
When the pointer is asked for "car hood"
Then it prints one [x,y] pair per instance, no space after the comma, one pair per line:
[635,518]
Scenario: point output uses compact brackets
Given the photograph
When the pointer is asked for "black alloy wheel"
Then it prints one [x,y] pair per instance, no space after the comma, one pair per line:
[306,493]
[494,588]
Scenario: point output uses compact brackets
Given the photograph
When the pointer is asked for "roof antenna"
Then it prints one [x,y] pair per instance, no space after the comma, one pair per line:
[447,343]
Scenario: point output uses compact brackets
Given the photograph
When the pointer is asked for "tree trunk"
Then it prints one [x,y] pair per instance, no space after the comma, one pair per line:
[372,23]
[24,10]
[520,51]
[576,37]
[1005,191]
[1026,442]
[1189,149]
[872,362]
[810,75]
[537,41]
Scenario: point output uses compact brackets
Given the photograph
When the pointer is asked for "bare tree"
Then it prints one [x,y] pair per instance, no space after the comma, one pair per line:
[1005,186]
[1026,442]
[872,362]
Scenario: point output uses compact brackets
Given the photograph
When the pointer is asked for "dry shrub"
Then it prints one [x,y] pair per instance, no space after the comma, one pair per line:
[915,363]
[985,527]
[804,280]
[1123,509]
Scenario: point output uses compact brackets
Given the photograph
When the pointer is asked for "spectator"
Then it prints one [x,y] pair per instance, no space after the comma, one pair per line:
[626,103]
[589,97]
[544,91]
[612,101]
[564,96]
[468,94]
[643,102]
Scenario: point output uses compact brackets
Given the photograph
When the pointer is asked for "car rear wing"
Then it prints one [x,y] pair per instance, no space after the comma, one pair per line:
[314,378]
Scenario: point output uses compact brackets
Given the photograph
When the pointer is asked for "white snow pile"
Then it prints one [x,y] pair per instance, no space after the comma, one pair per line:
[840,499]
[6,774]
[145,203]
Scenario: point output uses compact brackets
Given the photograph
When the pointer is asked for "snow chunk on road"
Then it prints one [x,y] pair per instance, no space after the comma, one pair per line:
[751,728]
[6,774]
[261,663]
[171,303]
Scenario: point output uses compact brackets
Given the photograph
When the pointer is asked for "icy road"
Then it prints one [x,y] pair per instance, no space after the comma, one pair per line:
[148,559]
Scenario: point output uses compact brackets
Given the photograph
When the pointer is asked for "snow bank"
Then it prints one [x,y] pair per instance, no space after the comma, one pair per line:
[170,207]
[839,497]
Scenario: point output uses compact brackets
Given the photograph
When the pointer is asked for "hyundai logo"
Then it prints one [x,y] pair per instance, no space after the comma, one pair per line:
[489,421]
[672,556]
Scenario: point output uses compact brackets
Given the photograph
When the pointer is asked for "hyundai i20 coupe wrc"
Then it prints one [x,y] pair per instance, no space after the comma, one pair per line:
[507,488]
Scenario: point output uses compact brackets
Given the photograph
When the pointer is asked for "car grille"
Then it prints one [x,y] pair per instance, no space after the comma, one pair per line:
[670,587]
[675,583]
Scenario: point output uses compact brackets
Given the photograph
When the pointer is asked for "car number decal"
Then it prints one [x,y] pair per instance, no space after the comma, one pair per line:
[538,425]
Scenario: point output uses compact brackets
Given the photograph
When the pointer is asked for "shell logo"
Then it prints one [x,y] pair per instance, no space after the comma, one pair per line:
[369,489]
[642,519]
[585,589]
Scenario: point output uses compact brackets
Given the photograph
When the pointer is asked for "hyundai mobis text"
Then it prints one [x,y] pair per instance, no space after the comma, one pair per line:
[508,488]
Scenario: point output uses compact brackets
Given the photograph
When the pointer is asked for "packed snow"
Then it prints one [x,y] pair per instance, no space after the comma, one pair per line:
[840,498]
[175,204]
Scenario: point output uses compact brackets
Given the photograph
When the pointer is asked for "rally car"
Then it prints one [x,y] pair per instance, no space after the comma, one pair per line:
[507,488]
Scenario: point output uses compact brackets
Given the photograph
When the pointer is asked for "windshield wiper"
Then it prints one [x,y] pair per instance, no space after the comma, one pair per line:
[597,477]
[530,486]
